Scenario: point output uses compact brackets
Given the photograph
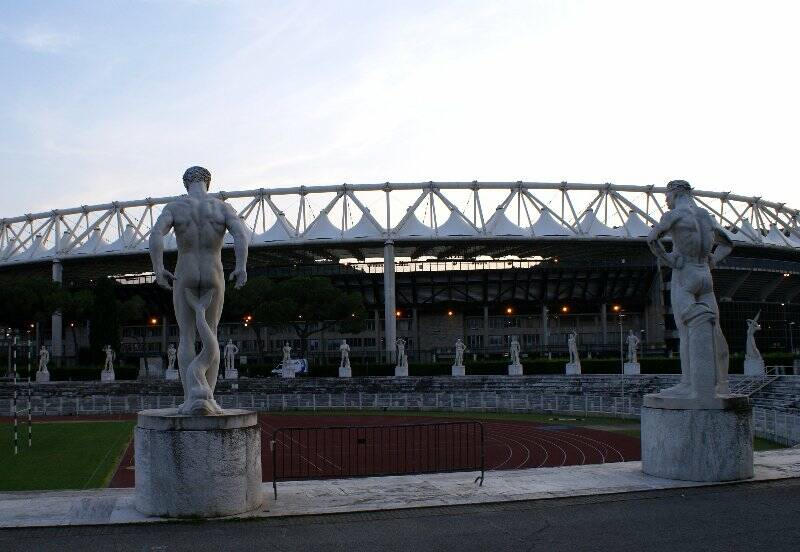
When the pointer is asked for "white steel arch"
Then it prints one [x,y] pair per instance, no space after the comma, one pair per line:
[400,212]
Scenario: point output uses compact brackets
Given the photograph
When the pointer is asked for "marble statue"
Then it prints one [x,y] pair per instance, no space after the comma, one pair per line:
[44,358]
[344,348]
[198,284]
[458,362]
[515,368]
[694,233]
[751,351]
[633,344]
[110,357]
[514,351]
[695,430]
[107,373]
[753,361]
[460,348]
[171,373]
[171,355]
[43,374]
[287,352]
[230,353]
[345,371]
[401,369]
[574,364]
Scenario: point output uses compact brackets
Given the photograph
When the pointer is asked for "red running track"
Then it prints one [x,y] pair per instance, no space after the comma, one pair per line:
[509,445]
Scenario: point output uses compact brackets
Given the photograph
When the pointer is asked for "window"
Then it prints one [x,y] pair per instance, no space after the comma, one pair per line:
[474,342]
[474,323]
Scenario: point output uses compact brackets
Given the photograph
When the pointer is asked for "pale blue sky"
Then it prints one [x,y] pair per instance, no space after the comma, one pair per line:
[113,100]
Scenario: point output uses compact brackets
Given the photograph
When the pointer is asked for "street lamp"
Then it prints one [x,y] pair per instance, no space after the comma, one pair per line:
[791,337]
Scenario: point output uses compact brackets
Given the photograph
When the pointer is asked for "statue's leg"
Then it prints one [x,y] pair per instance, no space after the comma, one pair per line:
[187,331]
[213,314]
[681,299]
[723,355]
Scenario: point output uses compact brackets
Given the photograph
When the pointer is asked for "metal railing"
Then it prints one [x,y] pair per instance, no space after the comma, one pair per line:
[378,450]
[775,425]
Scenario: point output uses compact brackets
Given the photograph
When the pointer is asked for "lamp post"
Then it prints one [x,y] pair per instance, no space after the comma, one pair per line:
[791,337]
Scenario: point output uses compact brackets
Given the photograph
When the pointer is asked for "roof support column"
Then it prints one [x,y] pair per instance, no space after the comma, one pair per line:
[545,332]
[56,321]
[389,304]
[604,322]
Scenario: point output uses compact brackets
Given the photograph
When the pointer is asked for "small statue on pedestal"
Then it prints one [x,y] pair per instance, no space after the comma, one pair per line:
[344,365]
[753,361]
[632,367]
[230,353]
[107,374]
[401,369]
[515,368]
[574,364]
[171,373]
[43,374]
[458,364]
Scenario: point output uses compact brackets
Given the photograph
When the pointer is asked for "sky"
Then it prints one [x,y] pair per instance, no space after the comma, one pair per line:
[103,101]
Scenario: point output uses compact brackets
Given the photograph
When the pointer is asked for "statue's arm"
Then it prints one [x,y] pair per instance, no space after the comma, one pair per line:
[237,229]
[661,228]
[724,245]
[163,225]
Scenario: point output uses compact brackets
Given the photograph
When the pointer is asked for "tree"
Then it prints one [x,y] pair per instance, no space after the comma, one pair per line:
[78,306]
[242,304]
[28,301]
[310,305]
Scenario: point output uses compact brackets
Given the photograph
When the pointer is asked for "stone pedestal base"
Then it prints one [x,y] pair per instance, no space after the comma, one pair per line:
[171,374]
[345,371]
[42,376]
[401,371]
[107,375]
[459,370]
[572,368]
[287,371]
[631,369]
[698,444]
[197,466]
[233,373]
[515,369]
[754,367]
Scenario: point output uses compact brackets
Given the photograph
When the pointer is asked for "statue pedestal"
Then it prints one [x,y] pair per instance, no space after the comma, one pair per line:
[42,376]
[711,442]
[287,371]
[515,369]
[401,371]
[107,375]
[345,371]
[231,373]
[572,368]
[171,374]
[197,466]
[459,370]
[631,369]
[754,367]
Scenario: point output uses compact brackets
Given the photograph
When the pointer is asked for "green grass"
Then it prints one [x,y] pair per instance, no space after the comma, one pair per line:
[65,455]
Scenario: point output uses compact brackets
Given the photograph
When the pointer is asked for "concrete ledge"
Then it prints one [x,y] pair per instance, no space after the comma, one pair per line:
[168,419]
[112,506]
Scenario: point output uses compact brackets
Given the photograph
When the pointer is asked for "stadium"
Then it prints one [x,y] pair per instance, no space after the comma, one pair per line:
[436,261]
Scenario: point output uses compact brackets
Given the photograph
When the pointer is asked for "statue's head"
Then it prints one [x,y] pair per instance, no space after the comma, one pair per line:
[676,189]
[193,174]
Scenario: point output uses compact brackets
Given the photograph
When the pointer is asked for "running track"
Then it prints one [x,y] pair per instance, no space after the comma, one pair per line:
[509,444]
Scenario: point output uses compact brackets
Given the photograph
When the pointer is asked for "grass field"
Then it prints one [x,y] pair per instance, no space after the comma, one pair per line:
[65,455]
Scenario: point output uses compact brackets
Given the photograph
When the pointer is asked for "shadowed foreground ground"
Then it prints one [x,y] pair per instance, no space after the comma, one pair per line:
[737,517]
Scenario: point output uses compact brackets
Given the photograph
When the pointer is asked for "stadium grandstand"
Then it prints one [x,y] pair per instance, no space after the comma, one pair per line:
[435,261]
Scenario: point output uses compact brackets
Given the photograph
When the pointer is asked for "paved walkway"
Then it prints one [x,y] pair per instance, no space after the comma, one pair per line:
[114,506]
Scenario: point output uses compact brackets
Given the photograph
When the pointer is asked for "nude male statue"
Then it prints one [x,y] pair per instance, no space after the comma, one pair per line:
[198,284]
[633,343]
[751,348]
[694,233]
[230,353]
[514,352]
[572,347]
[44,358]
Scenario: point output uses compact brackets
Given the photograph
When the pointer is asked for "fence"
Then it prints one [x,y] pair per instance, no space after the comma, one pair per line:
[775,425]
[364,451]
